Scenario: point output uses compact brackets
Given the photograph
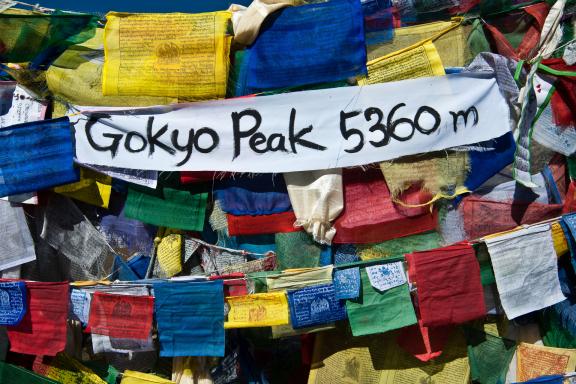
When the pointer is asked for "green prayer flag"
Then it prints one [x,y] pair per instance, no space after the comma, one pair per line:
[489,356]
[13,374]
[486,272]
[106,372]
[552,331]
[176,209]
[296,250]
[400,246]
[377,312]
[40,38]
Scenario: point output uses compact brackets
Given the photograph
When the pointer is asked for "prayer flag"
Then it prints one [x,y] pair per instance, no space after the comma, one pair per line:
[43,329]
[121,316]
[36,156]
[257,310]
[174,54]
[315,305]
[309,44]
[526,270]
[190,318]
[448,283]
[13,302]
[377,312]
[176,209]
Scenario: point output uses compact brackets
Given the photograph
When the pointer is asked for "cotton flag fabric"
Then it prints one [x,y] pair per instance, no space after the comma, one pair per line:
[121,316]
[448,283]
[175,55]
[377,312]
[43,329]
[17,247]
[308,44]
[174,209]
[133,377]
[257,310]
[13,302]
[526,270]
[317,198]
[10,373]
[315,305]
[36,156]
[190,318]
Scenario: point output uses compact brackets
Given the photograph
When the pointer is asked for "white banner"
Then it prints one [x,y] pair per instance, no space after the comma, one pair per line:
[321,129]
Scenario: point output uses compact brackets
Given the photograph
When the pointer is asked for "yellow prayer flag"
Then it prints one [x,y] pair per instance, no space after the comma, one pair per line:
[170,254]
[449,39]
[536,360]
[65,369]
[133,377]
[257,310]
[560,244]
[299,278]
[420,61]
[173,54]
[93,188]
[377,359]
[76,77]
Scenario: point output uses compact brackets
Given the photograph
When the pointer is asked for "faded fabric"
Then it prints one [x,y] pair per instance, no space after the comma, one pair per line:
[377,312]
[526,271]
[67,230]
[439,174]
[127,236]
[190,318]
[399,246]
[459,301]
[175,209]
[13,302]
[43,329]
[483,217]
[449,38]
[369,216]
[37,155]
[17,246]
[317,199]
[121,316]
[278,58]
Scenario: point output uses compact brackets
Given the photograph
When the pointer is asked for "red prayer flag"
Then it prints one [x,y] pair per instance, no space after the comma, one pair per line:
[483,217]
[570,203]
[370,216]
[449,289]
[121,316]
[262,224]
[43,329]
[423,342]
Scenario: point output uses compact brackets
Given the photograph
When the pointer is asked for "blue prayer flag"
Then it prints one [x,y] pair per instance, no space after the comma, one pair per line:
[315,305]
[347,283]
[190,318]
[13,302]
[36,155]
[310,44]
[79,306]
[263,194]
